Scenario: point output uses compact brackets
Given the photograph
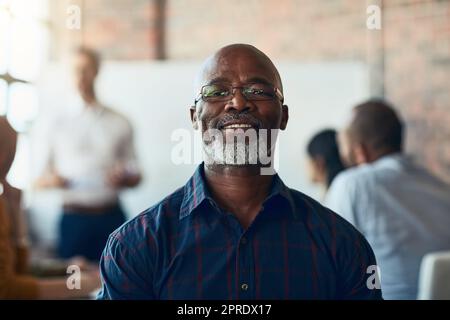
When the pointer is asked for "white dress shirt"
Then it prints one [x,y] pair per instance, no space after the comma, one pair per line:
[84,147]
[402,210]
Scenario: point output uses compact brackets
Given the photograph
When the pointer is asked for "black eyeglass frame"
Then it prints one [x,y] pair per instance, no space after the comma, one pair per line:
[276,91]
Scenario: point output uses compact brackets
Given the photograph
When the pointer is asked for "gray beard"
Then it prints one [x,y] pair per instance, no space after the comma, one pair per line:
[235,148]
[236,153]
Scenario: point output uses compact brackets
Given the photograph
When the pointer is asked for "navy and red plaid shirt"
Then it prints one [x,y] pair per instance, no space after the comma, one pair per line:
[186,247]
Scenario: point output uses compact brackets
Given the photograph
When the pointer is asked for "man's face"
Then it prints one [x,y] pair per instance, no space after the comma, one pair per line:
[85,72]
[238,116]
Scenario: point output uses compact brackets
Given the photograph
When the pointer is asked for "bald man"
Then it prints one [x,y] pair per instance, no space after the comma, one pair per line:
[234,231]
[402,209]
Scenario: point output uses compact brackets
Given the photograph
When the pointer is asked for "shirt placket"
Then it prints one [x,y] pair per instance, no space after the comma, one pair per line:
[245,275]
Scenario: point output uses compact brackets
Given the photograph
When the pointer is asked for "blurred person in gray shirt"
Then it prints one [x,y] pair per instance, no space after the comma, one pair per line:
[402,210]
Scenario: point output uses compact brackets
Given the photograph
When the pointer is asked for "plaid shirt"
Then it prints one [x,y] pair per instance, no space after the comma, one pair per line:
[186,247]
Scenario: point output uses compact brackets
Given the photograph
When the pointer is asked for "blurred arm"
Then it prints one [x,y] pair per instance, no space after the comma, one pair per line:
[126,174]
[50,179]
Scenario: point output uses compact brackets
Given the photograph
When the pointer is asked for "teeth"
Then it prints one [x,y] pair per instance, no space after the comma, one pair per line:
[237,125]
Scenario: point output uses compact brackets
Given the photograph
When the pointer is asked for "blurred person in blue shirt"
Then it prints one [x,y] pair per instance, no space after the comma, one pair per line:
[401,208]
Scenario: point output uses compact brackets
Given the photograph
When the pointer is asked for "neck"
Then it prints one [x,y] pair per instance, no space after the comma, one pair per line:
[89,97]
[378,154]
[239,190]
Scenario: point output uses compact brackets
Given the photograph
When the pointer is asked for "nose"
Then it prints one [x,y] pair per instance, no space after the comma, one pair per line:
[238,102]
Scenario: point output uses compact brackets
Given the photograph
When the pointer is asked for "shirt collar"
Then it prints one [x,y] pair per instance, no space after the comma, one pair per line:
[196,191]
[280,190]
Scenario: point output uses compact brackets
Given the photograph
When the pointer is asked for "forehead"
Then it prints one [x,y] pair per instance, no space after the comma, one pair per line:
[239,66]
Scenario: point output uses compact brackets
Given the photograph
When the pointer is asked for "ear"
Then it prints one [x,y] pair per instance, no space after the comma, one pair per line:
[284,116]
[360,153]
[194,118]
[319,163]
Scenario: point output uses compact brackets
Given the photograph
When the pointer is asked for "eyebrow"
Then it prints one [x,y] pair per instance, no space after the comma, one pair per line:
[259,80]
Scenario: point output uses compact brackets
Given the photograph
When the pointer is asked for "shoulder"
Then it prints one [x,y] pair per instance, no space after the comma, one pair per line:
[116,119]
[359,174]
[384,170]
[350,182]
[329,230]
[343,244]
[318,215]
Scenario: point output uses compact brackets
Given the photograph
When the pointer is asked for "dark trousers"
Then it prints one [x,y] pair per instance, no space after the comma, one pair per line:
[85,234]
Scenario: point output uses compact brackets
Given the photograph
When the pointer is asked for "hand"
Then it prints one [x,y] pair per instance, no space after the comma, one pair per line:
[116,176]
[51,180]
[120,176]
[56,181]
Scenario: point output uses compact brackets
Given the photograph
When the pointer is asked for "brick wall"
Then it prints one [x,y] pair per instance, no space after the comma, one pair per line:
[417,76]
[297,30]
[409,58]
[119,29]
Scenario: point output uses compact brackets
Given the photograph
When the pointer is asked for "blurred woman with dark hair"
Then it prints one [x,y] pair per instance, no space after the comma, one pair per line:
[324,159]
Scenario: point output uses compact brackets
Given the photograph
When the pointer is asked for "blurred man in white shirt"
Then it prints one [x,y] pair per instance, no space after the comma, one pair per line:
[402,210]
[91,159]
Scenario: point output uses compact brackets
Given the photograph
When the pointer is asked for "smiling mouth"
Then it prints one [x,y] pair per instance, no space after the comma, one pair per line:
[238,126]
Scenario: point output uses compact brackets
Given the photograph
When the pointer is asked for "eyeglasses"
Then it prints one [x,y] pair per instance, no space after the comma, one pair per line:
[219,92]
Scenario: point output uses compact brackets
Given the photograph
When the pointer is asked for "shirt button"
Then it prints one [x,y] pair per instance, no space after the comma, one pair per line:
[244,287]
[244,241]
